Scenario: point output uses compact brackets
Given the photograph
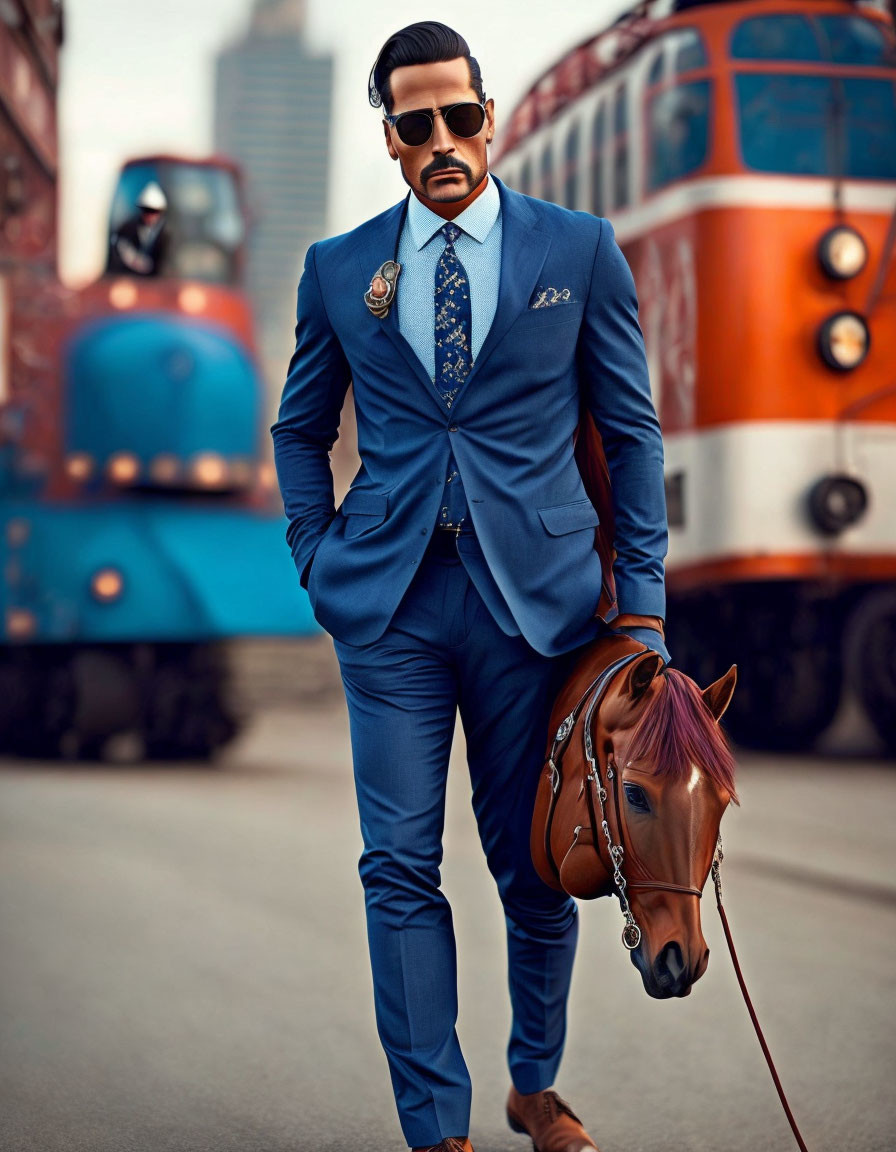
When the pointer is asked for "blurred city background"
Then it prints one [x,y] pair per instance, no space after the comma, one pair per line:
[182,953]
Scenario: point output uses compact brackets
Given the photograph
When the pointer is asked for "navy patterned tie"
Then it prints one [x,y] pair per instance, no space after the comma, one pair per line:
[453,319]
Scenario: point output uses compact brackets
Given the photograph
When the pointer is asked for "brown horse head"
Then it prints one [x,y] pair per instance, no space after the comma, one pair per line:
[674,779]
[647,771]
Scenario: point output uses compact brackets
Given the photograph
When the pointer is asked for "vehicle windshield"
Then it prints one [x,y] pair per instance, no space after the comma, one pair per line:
[818,125]
[196,237]
[822,121]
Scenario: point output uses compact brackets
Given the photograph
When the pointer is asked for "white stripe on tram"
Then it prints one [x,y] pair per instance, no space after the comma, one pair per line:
[751,192]
[744,488]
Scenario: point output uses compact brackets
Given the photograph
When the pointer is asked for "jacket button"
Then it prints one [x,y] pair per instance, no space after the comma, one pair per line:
[453,428]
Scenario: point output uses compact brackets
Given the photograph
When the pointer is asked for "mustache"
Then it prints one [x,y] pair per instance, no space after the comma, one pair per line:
[441,164]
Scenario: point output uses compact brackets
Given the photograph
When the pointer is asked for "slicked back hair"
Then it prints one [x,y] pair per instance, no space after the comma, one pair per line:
[427,42]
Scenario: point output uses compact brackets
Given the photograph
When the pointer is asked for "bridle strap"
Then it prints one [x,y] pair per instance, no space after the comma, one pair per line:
[717,879]
[685,889]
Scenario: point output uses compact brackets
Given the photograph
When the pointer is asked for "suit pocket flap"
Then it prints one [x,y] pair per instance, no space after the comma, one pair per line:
[565,518]
[365,504]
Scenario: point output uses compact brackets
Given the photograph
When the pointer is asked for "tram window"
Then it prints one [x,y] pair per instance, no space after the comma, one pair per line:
[547,174]
[203,220]
[689,52]
[598,139]
[784,121]
[818,125]
[620,112]
[620,175]
[869,129]
[620,149]
[678,131]
[657,70]
[571,172]
[524,184]
[854,40]
[778,37]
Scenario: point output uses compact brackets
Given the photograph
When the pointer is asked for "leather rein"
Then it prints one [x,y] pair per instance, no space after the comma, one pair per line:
[601,784]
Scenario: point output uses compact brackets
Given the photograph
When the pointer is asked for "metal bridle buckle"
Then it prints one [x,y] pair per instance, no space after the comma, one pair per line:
[631,935]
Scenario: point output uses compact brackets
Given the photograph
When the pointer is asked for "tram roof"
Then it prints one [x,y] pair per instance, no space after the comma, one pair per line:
[600,55]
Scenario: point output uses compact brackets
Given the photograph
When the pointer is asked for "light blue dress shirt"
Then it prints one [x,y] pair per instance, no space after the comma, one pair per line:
[479,250]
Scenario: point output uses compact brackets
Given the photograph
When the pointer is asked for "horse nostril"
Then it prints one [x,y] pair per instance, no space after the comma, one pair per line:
[670,963]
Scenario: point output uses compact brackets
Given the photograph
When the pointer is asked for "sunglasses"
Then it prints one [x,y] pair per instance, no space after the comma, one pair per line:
[415,128]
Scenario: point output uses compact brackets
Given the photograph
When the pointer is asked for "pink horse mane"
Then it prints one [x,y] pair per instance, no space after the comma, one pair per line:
[678,730]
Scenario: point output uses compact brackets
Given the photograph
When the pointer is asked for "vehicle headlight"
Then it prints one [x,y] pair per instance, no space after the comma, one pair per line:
[842,252]
[107,584]
[844,340]
[20,623]
[123,468]
[165,468]
[837,501]
[209,470]
[79,465]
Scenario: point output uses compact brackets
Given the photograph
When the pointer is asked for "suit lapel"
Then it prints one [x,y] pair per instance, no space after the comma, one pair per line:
[524,248]
[384,246]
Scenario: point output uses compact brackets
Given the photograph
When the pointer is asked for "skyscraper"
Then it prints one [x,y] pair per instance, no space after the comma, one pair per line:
[273,103]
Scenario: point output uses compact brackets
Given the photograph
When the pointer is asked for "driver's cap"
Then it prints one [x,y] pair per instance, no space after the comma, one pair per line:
[153,197]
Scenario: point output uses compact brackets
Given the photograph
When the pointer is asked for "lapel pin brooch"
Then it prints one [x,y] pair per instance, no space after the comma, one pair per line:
[381,293]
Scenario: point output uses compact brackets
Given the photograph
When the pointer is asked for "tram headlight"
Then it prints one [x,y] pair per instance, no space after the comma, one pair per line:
[836,502]
[267,475]
[20,623]
[164,468]
[107,584]
[844,340]
[842,252]
[79,465]
[123,468]
[209,470]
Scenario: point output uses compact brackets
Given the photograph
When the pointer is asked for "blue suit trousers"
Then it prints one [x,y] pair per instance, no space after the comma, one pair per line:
[442,652]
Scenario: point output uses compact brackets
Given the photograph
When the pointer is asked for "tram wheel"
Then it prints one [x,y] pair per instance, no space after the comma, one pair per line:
[38,701]
[871,659]
[187,712]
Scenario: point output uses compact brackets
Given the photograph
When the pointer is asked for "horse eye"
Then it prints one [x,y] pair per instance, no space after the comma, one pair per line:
[636,797]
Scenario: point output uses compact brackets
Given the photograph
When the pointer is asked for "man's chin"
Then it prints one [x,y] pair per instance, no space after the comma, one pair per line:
[448,191]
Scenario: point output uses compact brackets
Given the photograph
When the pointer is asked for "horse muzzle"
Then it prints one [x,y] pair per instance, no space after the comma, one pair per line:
[669,974]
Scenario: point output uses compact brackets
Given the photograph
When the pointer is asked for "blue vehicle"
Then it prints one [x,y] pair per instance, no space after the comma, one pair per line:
[142,526]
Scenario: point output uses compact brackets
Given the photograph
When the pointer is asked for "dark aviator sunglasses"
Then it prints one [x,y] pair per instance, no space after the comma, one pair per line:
[415,128]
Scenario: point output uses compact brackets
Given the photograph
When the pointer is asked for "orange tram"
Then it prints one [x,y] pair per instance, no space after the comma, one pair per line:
[745,152]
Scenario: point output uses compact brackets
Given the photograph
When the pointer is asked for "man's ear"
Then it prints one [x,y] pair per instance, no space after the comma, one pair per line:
[490,117]
[390,147]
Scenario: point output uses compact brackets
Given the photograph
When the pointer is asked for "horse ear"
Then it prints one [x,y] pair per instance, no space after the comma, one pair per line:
[641,675]
[717,696]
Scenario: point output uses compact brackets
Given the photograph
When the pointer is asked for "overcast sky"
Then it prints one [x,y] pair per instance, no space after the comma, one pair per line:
[138,77]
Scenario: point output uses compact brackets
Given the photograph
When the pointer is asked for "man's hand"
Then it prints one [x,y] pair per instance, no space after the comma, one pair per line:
[646,629]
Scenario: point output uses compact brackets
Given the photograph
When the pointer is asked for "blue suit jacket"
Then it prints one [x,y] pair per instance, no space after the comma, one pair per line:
[511,428]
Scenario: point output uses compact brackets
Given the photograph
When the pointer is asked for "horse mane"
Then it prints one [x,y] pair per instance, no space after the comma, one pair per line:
[678,730]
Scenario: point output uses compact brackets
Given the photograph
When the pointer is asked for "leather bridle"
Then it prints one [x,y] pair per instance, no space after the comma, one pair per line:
[603,781]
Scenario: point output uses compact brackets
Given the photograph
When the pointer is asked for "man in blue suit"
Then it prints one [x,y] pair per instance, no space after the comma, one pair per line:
[459,572]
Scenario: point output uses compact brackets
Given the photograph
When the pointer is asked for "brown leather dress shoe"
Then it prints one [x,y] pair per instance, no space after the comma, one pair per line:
[449,1144]
[550,1121]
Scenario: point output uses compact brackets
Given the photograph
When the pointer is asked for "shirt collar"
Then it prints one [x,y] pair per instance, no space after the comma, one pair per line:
[476,221]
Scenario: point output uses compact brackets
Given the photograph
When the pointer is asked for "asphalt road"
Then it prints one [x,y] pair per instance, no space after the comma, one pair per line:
[183,965]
